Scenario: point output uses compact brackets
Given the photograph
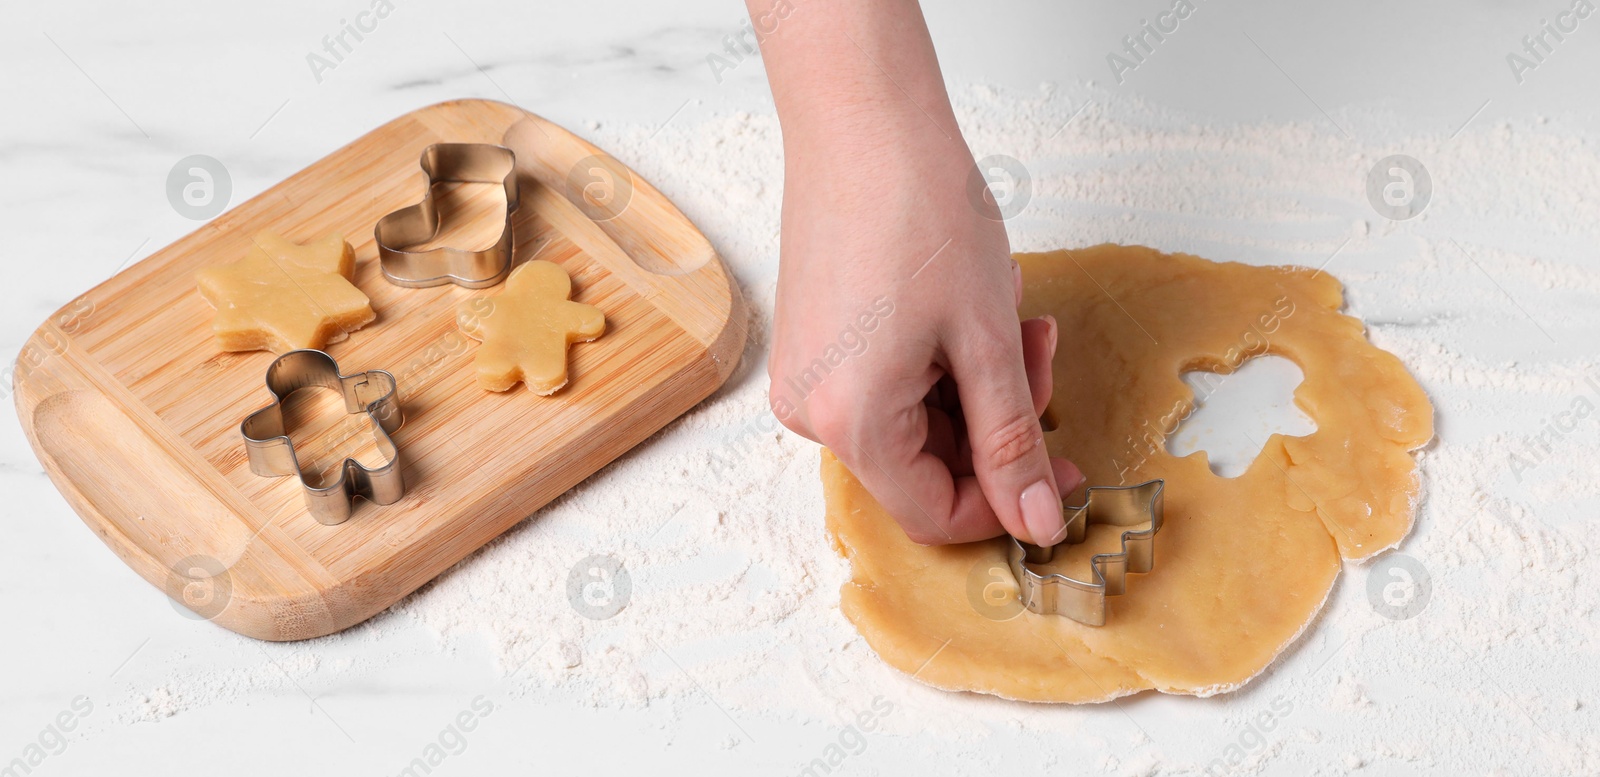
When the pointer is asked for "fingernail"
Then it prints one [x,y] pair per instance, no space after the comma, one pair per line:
[1055,331]
[1016,280]
[1077,481]
[1041,513]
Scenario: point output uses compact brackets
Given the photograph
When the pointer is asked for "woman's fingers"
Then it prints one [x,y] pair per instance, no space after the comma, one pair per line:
[885,450]
[1008,452]
[1038,353]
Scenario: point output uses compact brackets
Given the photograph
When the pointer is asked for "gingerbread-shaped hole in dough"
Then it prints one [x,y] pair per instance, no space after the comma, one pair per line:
[1237,410]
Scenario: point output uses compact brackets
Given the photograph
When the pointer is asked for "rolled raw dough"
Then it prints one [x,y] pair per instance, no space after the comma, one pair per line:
[1242,565]
[283,295]
[526,329]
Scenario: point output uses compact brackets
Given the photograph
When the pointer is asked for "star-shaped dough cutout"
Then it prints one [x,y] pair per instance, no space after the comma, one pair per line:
[284,296]
[526,329]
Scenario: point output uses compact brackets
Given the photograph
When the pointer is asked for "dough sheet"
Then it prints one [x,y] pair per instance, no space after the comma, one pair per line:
[1242,565]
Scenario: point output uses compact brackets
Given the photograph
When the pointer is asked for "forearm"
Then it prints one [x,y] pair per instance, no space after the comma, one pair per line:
[857,73]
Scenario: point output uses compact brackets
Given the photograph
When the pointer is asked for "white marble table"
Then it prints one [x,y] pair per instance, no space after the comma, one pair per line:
[102,99]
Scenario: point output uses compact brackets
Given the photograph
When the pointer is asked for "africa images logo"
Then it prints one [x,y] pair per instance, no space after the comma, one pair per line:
[1141,45]
[1541,44]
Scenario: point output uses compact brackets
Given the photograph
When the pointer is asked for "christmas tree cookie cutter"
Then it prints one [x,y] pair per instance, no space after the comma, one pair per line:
[416,224]
[1085,600]
[271,453]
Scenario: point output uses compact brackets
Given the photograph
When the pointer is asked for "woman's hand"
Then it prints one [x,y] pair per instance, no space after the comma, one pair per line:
[896,339]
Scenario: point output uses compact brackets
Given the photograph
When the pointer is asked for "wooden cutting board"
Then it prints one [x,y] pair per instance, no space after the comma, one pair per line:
[135,413]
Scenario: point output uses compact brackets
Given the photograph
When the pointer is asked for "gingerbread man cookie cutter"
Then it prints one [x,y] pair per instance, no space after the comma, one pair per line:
[1085,600]
[416,224]
[272,454]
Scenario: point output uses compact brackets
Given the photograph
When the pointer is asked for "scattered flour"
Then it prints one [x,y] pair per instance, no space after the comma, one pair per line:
[1491,297]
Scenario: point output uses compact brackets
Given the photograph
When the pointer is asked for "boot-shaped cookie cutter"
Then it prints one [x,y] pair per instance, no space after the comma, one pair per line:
[1085,600]
[416,224]
[272,454]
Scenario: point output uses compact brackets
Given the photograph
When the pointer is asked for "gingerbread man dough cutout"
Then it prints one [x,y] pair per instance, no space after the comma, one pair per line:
[283,296]
[526,329]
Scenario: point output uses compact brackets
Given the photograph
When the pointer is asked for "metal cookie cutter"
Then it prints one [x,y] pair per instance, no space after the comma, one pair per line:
[1085,601]
[272,454]
[417,224]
